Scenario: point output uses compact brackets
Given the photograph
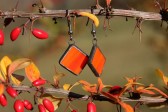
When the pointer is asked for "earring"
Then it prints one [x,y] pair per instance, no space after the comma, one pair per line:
[74,59]
[96,59]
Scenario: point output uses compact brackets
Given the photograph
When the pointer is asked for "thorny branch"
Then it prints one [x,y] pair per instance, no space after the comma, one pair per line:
[144,99]
[98,12]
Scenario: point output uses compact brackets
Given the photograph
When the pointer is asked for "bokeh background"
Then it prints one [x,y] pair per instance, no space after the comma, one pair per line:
[126,56]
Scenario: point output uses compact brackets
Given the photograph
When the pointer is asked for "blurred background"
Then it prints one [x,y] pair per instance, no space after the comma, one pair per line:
[126,56]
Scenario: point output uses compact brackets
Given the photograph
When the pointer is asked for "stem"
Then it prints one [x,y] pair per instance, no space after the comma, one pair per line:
[145,99]
[62,13]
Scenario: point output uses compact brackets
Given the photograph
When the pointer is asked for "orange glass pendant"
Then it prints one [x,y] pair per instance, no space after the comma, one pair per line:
[96,61]
[74,59]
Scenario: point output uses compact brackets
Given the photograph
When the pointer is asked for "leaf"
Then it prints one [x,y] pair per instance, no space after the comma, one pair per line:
[92,88]
[91,16]
[151,87]
[17,79]
[57,78]
[2,77]
[1,89]
[162,75]
[68,87]
[126,107]
[4,63]
[100,85]
[55,100]
[114,98]
[7,21]
[142,89]
[18,64]
[108,2]
[32,72]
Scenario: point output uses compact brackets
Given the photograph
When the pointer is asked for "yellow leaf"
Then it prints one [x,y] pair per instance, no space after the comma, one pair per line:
[162,75]
[17,79]
[91,16]
[1,89]
[18,64]
[5,62]
[66,86]
[55,100]
[2,77]
[32,72]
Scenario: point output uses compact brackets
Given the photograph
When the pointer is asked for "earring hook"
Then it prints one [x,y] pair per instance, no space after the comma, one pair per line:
[70,32]
[93,32]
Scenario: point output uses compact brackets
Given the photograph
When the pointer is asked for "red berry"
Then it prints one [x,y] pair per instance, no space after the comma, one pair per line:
[38,82]
[115,90]
[18,106]
[1,37]
[41,108]
[11,91]
[91,107]
[28,105]
[15,33]
[40,34]
[3,100]
[48,105]
[74,111]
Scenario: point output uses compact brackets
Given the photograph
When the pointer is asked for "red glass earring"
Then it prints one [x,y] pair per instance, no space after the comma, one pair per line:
[74,59]
[96,59]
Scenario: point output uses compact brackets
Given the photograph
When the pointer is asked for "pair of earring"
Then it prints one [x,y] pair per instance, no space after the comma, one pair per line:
[74,59]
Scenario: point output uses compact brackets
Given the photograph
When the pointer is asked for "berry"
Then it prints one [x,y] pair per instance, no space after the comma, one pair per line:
[28,105]
[1,37]
[11,91]
[41,108]
[40,34]
[38,82]
[91,107]
[48,105]
[18,106]
[74,111]
[15,33]
[115,90]
[3,100]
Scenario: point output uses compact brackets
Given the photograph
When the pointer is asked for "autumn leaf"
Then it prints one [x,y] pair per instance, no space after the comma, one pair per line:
[126,107]
[17,79]
[108,2]
[115,99]
[18,64]
[2,78]
[100,84]
[4,63]
[68,87]
[92,88]
[151,87]
[32,72]
[162,75]
[142,89]
[57,78]
[55,100]
[1,89]
[91,16]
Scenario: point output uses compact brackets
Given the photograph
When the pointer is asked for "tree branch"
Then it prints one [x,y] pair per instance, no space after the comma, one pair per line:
[144,99]
[97,12]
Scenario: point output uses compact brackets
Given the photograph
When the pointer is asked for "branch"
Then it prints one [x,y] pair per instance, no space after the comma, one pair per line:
[144,99]
[72,13]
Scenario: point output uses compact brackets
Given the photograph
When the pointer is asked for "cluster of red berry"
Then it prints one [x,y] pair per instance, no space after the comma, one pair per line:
[19,105]
[38,33]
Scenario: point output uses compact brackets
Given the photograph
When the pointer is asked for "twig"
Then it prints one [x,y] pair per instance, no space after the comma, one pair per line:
[145,99]
[62,13]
